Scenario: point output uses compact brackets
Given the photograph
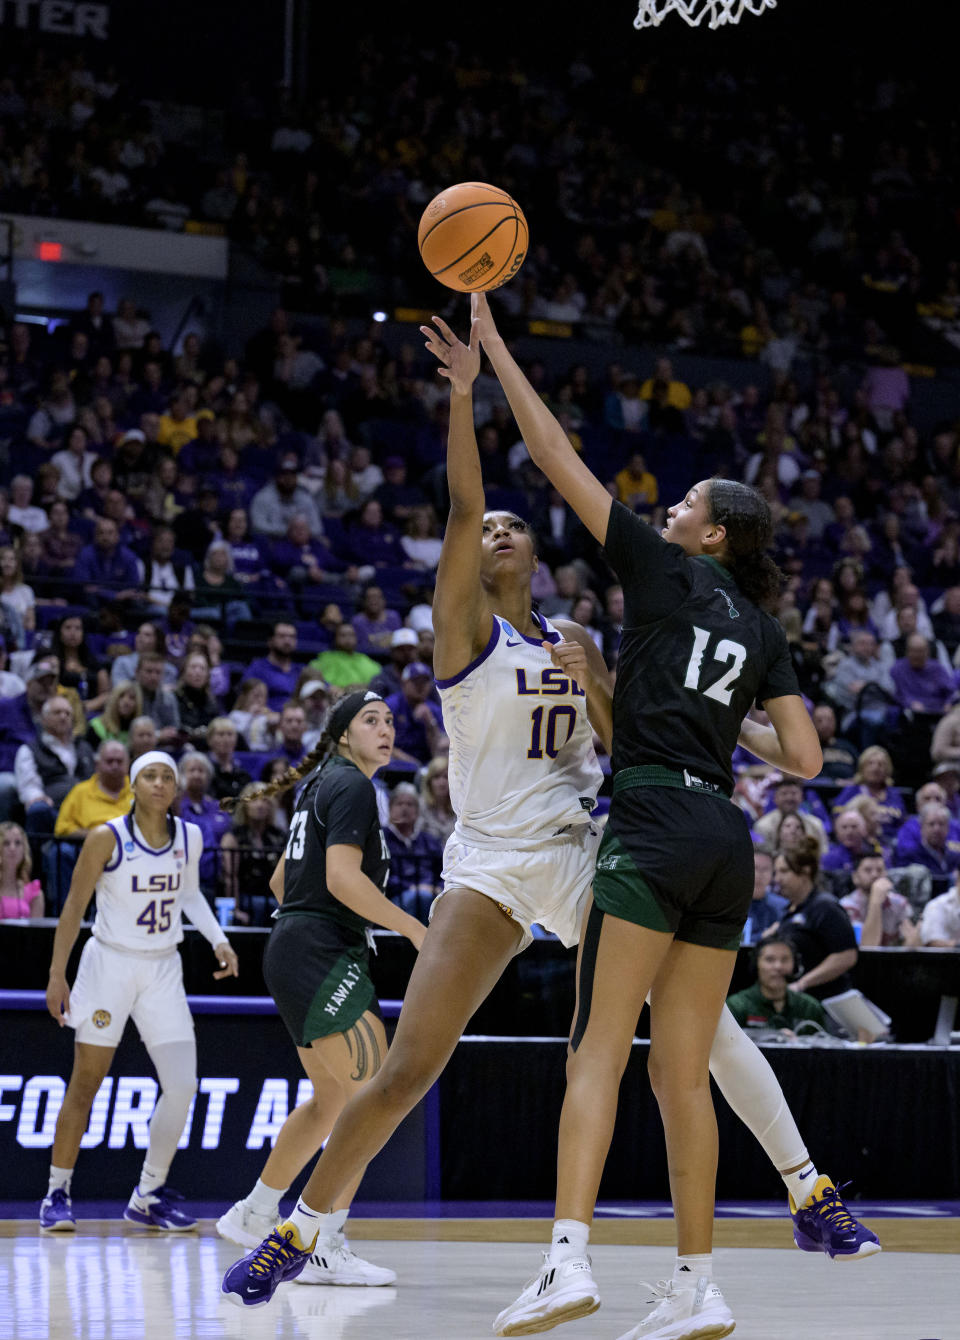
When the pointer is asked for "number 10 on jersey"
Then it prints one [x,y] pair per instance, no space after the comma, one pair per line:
[726,650]
[548,737]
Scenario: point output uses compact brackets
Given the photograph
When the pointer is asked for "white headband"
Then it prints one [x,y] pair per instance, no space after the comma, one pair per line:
[151,756]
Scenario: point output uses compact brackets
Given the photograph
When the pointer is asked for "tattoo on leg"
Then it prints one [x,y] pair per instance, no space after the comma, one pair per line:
[364,1038]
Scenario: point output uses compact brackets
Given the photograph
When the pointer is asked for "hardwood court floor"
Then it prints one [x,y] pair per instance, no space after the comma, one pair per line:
[107,1284]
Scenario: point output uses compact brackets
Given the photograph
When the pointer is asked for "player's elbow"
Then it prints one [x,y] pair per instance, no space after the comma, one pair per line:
[340,877]
[804,761]
[808,768]
[336,884]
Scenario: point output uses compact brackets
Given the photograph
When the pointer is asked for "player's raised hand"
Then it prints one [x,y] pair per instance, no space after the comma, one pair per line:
[227,958]
[460,362]
[58,998]
[482,325]
[571,657]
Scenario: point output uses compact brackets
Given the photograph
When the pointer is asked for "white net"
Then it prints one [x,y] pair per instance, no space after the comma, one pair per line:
[651,13]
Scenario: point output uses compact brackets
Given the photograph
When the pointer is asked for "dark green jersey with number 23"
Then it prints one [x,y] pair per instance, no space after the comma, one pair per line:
[337,805]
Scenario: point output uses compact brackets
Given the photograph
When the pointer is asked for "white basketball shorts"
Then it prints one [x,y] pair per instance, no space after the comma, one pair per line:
[548,885]
[112,987]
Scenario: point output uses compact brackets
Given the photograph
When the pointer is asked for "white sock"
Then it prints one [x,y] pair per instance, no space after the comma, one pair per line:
[307,1223]
[151,1179]
[265,1199]
[59,1179]
[570,1238]
[801,1183]
[688,1269]
[331,1224]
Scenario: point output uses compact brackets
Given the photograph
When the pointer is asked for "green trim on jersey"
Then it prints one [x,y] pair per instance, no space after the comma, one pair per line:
[653,775]
[620,890]
[649,876]
[717,564]
[344,995]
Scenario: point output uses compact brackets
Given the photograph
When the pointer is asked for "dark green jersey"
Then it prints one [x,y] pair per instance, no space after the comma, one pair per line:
[694,658]
[337,805]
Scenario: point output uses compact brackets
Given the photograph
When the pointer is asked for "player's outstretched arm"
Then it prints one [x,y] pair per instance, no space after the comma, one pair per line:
[461,619]
[98,847]
[545,440]
[790,742]
[350,886]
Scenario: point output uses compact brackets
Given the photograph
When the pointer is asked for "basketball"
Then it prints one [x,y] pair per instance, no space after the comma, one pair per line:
[472,237]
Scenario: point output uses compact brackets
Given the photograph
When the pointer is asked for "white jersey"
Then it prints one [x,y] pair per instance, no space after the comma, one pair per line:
[522,765]
[141,889]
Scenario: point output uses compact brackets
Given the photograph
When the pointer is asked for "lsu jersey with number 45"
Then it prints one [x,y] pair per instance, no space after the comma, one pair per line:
[522,765]
[141,889]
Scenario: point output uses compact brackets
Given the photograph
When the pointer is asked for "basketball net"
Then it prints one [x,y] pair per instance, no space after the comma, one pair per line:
[651,13]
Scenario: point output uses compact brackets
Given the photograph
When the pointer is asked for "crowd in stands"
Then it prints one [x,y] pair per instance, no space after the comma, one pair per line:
[201,551]
[198,556]
[822,229]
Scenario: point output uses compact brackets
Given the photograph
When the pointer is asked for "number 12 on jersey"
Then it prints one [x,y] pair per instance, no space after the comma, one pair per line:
[726,650]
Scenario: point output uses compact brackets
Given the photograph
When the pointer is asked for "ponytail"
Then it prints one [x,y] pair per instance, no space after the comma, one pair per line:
[317,755]
[758,577]
[745,515]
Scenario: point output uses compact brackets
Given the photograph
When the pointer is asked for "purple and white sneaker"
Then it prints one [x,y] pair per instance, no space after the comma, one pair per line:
[56,1213]
[254,1279]
[155,1209]
[824,1224]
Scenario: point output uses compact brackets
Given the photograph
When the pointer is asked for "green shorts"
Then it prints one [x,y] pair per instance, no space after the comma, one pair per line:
[321,985]
[679,861]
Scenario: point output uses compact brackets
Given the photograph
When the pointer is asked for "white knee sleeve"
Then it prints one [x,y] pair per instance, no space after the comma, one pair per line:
[176,1066]
[749,1085]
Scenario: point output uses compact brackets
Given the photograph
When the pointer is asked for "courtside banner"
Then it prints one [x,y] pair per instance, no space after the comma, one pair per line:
[249,1081]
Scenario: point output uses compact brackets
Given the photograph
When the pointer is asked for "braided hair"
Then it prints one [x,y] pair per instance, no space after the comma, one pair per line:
[745,516]
[319,754]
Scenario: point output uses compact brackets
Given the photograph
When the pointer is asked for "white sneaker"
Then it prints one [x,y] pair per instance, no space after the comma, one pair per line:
[694,1312]
[332,1262]
[243,1226]
[559,1293]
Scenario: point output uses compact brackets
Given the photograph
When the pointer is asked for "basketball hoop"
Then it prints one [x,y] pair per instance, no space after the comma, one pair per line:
[652,12]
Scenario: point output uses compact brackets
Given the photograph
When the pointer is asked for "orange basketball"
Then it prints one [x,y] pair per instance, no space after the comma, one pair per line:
[473,237]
